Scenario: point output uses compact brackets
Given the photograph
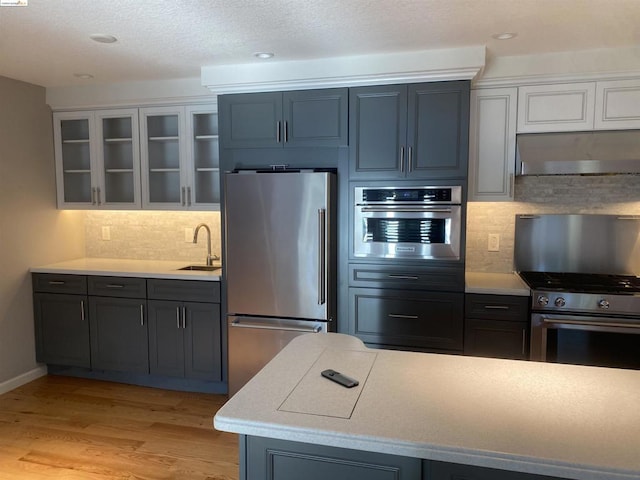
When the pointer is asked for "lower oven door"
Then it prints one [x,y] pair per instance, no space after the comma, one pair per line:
[412,232]
[585,340]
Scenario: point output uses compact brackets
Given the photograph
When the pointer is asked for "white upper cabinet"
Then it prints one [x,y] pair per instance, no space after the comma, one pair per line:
[556,108]
[97,159]
[492,144]
[617,105]
[180,166]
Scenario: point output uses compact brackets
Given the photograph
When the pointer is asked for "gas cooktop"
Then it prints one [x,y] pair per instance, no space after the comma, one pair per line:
[582,282]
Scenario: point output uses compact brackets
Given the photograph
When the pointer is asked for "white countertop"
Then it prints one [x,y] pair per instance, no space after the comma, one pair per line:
[129,268]
[566,421]
[495,284]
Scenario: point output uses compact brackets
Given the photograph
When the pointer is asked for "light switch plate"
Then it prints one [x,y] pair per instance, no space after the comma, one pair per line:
[493,245]
[106,233]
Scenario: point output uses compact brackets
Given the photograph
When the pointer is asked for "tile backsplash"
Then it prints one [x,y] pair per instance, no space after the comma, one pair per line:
[608,194]
[148,235]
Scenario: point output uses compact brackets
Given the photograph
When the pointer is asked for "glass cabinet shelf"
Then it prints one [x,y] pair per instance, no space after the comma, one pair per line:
[163,139]
[82,140]
[119,170]
[206,137]
[117,140]
[77,171]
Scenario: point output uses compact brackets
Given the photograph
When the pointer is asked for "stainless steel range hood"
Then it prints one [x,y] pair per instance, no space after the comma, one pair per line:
[584,153]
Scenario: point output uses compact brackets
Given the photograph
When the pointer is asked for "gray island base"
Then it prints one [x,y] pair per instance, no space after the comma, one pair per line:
[432,417]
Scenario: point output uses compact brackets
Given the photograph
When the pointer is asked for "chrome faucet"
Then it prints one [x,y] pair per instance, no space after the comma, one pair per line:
[210,258]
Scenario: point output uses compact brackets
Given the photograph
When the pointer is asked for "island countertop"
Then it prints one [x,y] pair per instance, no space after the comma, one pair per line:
[566,421]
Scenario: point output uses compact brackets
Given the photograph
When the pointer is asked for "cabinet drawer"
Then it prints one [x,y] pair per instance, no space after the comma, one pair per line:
[413,319]
[117,287]
[497,307]
[184,290]
[58,283]
[423,278]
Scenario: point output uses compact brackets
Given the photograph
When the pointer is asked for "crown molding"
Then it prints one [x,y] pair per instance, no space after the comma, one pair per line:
[407,67]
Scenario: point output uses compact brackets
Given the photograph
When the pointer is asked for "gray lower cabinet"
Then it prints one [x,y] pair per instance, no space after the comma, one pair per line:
[118,322]
[184,339]
[61,320]
[454,471]
[496,326]
[411,319]
[263,458]
[185,329]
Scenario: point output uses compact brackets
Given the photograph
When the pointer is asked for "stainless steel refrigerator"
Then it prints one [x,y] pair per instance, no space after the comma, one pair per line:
[279,263]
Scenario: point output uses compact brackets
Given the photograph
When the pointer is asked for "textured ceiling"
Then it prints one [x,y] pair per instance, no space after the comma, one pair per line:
[47,42]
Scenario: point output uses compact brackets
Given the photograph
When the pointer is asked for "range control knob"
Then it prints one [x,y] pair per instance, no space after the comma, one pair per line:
[603,304]
[560,302]
[542,300]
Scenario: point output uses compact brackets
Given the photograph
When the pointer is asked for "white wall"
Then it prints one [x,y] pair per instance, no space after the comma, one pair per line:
[32,231]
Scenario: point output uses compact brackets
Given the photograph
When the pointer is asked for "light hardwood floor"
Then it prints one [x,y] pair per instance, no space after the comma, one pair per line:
[68,428]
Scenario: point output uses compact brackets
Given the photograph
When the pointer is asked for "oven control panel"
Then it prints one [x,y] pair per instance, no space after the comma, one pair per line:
[568,302]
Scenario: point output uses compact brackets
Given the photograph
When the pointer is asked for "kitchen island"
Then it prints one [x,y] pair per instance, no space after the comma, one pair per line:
[432,416]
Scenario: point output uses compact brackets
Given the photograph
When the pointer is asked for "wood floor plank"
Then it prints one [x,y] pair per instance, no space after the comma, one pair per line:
[71,428]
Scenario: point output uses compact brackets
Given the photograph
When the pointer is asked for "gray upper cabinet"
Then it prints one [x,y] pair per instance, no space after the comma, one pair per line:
[409,131]
[306,118]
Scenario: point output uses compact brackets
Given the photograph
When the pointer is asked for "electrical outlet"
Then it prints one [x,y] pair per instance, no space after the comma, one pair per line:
[188,234]
[493,245]
[106,233]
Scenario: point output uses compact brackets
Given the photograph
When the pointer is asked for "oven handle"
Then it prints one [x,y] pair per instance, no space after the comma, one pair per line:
[614,326]
[415,209]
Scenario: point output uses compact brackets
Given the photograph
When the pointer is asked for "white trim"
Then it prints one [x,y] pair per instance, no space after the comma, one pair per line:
[406,67]
[544,79]
[23,379]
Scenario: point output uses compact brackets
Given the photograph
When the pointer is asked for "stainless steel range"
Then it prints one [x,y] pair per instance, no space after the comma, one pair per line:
[583,271]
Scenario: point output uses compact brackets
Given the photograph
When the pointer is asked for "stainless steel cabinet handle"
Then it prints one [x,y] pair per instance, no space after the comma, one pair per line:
[402,158]
[178,317]
[184,317]
[260,326]
[410,159]
[278,135]
[589,324]
[82,310]
[56,282]
[322,271]
[182,193]
[524,340]
[398,315]
[416,209]
[189,196]
[93,196]
[141,315]
[402,277]
[511,182]
[98,196]
[496,307]
[114,285]
[286,132]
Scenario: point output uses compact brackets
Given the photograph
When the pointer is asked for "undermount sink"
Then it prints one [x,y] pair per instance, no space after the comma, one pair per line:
[201,268]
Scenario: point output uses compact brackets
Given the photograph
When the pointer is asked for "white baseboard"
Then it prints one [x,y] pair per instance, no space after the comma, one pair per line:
[20,380]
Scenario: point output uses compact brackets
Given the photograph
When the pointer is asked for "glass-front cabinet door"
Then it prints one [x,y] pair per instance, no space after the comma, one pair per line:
[74,152]
[97,159]
[119,158]
[163,158]
[203,156]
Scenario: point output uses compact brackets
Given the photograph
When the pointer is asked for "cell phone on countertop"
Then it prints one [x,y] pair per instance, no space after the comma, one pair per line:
[340,378]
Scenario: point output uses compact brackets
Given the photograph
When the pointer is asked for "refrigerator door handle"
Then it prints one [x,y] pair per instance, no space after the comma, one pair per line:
[315,328]
[322,268]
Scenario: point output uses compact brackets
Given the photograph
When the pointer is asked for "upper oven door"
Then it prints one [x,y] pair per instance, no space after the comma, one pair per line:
[407,231]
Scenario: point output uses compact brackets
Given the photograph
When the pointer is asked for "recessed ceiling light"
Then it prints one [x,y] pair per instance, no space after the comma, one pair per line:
[504,36]
[263,55]
[83,76]
[103,38]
